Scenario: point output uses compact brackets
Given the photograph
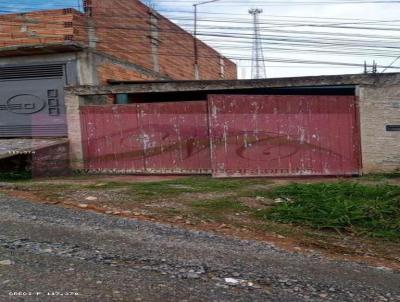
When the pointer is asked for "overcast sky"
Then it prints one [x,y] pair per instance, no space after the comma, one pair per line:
[291,31]
[318,13]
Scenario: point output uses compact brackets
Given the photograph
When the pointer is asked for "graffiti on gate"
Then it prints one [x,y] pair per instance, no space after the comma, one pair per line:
[240,135]
[157,140]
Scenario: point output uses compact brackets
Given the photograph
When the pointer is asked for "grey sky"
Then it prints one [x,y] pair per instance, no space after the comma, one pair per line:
[237,10]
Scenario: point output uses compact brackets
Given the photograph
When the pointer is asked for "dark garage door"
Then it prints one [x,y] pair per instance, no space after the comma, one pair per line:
[32,101]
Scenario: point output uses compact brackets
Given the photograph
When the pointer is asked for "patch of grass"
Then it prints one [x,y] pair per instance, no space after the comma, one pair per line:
[383,176]
[257,193]
[171,188]
[220,205]
[15,176]
[208,184]
[372,210]
[215,210]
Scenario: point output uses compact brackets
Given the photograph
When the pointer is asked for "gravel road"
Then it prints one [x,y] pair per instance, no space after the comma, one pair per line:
[49,253]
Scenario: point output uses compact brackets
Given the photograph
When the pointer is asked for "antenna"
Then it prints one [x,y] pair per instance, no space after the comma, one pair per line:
[375,67]
[258,63]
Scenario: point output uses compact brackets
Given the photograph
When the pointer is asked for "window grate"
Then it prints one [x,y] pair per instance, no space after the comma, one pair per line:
[33,71]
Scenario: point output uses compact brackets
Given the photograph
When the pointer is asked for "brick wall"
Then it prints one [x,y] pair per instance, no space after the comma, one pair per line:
[111,71]
[44,27]
[130,31]
[379,107]
[51,161]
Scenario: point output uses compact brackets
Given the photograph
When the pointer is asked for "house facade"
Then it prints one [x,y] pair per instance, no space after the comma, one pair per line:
[339,125]
[43,52]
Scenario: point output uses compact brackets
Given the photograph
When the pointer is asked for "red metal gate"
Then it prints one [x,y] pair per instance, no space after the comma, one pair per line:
[247,135]
[111,138]
[284,135]
[147,138]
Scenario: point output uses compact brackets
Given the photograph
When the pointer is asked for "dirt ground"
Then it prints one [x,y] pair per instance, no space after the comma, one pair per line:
[200,203]
[52,253]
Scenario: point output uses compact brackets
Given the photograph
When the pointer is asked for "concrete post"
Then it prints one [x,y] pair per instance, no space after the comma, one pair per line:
[154,40]
[73,102]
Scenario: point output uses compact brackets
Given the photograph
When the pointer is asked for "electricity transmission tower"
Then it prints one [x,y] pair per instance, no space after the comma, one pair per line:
[258,63]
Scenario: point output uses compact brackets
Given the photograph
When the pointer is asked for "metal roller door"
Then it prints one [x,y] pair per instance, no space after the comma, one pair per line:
[32,101]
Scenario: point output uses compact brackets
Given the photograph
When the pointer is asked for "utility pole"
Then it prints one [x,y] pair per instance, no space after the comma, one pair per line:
[195,45]
[258,63]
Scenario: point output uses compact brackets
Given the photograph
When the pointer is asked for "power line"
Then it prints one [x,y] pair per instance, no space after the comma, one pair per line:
[270,40]
[391,64]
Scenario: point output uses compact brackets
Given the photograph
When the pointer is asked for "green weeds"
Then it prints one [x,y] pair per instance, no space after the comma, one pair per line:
[372,210]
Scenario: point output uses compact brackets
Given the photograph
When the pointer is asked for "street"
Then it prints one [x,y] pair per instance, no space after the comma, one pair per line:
[51,253]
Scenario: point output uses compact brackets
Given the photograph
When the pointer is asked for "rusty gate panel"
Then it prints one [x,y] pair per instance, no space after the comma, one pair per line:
[147,138]
[284,135]
[112,138]
[175,137]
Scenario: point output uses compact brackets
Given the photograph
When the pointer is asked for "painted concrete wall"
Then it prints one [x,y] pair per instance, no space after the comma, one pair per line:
[74,131]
